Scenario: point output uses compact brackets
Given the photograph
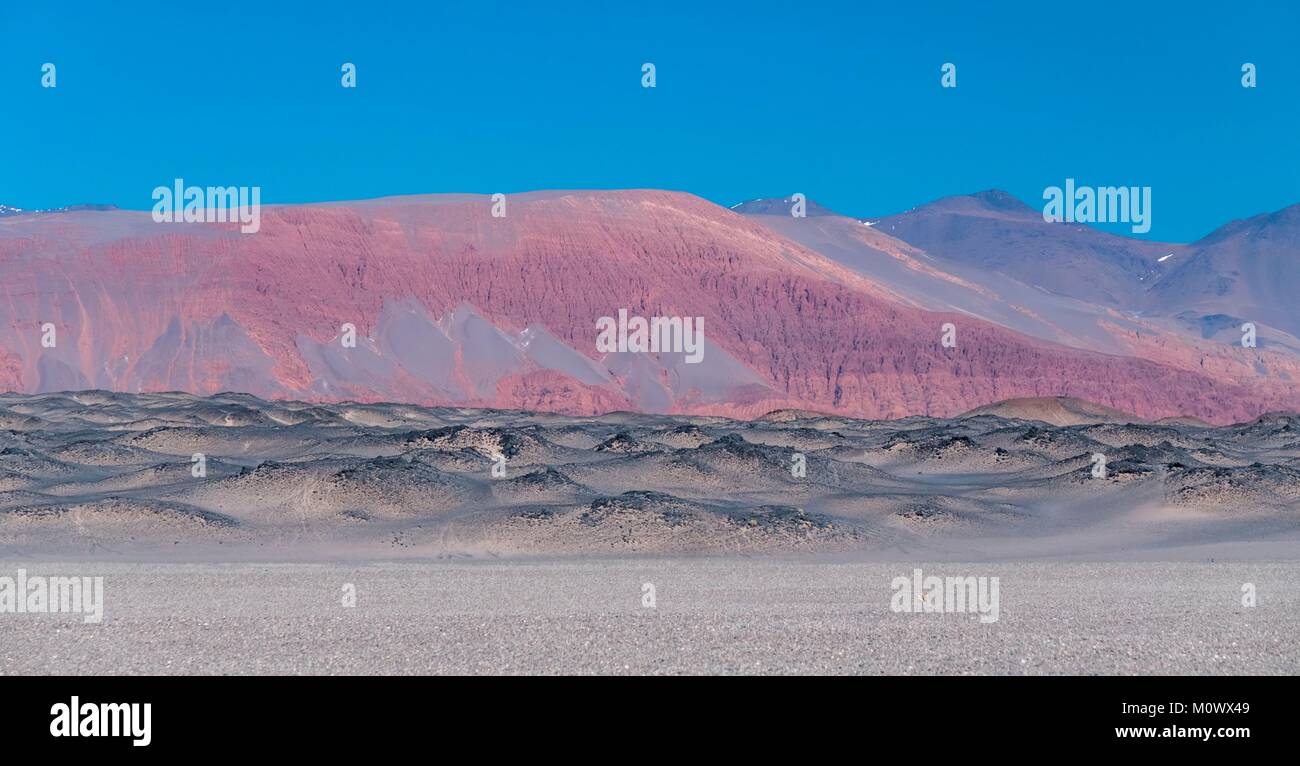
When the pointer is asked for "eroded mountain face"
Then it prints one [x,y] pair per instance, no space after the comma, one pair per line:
[451,306]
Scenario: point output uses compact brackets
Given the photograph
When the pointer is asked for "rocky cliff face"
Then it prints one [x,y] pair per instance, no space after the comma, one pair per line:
[454,306]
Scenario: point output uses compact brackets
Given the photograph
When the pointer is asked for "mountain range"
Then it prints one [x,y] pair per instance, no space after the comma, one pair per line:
[454,306]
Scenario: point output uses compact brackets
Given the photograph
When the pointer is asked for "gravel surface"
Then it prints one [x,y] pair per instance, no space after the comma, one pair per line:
[714,615]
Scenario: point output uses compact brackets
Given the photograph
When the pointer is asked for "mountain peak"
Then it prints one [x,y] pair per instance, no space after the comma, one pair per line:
[996,199]
[1285,219]
[779,206]
[993,201]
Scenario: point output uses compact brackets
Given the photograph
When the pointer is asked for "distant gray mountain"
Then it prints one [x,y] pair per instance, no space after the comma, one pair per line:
[6,210]
[91,206]
[1247,269]
[994,230]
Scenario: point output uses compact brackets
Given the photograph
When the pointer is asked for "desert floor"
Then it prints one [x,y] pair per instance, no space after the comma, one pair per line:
[710,615]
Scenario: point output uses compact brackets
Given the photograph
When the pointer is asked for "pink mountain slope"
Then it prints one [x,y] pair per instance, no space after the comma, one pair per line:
[453,306]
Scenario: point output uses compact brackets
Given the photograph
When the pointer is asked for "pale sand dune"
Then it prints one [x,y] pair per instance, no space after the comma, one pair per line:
[1054,410]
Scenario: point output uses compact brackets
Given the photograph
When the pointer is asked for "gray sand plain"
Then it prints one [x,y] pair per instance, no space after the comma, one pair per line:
[733,615]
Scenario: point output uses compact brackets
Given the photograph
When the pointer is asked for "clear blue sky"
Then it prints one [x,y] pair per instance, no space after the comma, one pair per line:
[840,101]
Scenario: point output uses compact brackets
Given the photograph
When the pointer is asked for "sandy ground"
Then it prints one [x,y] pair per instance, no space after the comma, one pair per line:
[711,615]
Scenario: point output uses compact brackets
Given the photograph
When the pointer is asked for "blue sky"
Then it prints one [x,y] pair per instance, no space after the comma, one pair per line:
[839,101]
